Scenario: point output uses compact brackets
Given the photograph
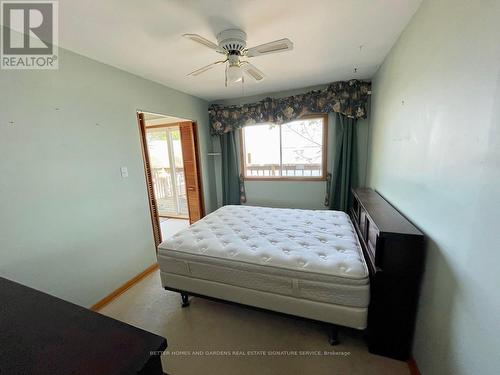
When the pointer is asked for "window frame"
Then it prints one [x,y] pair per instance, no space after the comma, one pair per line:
[324,151]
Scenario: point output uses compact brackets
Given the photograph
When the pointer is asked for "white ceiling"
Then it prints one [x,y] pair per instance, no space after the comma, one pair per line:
[144,38]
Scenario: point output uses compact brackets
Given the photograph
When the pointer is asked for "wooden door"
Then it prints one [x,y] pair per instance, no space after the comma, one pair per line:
[189,142]
[153,207]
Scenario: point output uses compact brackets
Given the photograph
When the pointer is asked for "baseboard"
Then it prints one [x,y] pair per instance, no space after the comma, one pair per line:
[99,305]
[412,365]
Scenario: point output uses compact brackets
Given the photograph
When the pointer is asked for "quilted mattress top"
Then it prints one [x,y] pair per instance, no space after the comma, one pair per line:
[317,241]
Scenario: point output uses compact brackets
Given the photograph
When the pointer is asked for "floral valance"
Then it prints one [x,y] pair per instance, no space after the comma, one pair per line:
[346,97]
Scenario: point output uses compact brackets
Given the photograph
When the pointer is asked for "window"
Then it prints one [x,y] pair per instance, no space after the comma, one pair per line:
[295,150]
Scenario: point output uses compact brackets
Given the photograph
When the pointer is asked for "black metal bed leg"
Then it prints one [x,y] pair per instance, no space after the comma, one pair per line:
[184,299]
[333,337]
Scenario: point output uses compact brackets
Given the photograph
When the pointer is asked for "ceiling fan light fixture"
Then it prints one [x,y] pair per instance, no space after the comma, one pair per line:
[233,44]
[234,73]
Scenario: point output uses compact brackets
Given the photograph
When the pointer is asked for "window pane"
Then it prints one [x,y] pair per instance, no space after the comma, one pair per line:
[302,147]
[262,150]
[177,148]
[157,146]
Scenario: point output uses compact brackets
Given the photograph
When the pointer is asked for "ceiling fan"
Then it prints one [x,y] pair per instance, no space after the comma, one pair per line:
[233,44]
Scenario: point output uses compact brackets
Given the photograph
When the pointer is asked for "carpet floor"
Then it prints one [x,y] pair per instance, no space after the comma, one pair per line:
[216,338]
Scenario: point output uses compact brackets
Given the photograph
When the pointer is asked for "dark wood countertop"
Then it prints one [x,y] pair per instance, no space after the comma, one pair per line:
[42,334]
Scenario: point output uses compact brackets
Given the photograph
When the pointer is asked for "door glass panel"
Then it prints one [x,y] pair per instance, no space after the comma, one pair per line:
[167,170]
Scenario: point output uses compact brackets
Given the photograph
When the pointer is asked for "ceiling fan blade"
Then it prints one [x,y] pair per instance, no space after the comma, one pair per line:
[204,41]
[252,71]
[205,68]
[281,45]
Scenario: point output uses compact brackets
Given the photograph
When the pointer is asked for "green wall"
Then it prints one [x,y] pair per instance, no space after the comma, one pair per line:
[292,194]
[435,155]
[70,225]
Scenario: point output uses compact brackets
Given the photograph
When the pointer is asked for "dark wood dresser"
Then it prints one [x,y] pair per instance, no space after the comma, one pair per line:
[394,251]
[41,334]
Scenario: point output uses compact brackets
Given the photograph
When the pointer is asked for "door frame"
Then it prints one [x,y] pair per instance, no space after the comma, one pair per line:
[198,167]
[153,206]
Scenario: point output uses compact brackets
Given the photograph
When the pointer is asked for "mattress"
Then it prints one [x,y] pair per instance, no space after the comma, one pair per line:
[312,255]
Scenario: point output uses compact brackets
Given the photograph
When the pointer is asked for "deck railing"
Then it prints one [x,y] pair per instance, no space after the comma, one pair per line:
[288,170]
[164,189]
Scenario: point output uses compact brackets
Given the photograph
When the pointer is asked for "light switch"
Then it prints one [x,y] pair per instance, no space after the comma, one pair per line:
[124,171]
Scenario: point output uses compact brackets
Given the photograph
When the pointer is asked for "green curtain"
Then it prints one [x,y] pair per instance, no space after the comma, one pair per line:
[232,184]
[345,163]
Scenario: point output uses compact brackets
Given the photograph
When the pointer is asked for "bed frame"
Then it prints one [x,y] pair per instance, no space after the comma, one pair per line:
[394,252]
[333,335]
[390,243]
